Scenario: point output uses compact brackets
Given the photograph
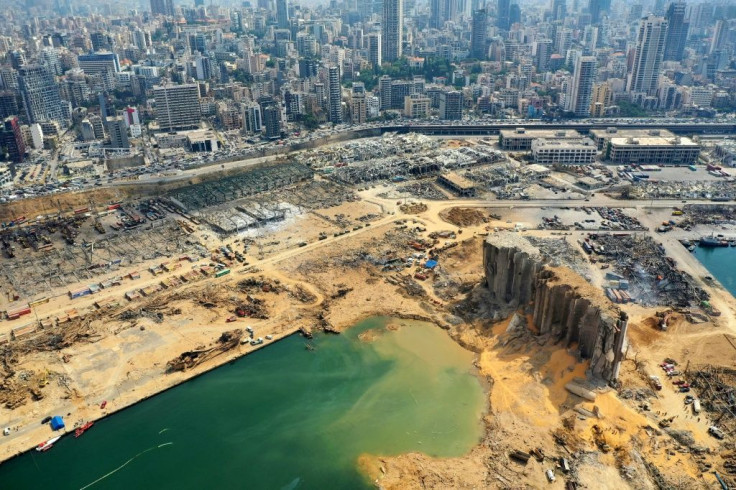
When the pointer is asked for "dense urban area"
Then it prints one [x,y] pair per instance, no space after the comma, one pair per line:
[184,183]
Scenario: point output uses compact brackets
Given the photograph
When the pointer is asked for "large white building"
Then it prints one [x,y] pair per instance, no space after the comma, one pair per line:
[564,152]
[656,150]
[177,106]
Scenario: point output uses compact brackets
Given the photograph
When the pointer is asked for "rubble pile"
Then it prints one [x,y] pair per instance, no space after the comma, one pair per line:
[423,190]
[260,284]
[708,214]
[711,189]
[559,252]
[651,277]
[187,360]
[616,219]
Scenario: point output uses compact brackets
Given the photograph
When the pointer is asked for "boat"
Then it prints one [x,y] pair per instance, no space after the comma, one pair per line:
[711,242]
[103,404]
[691,248]
[81,430]
[45,446]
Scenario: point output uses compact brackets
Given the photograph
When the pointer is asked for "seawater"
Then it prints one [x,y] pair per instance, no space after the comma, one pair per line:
[721,262]
[281,418]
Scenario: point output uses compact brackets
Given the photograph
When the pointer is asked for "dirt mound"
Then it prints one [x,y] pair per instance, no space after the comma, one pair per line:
[413,208]
[464,216]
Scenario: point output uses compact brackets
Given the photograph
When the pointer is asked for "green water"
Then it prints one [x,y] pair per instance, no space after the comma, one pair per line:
[282,418]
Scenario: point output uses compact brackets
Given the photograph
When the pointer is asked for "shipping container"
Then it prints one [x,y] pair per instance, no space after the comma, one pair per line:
[28,328]
[39,301]
[223,272]
[18,312]
[79,293]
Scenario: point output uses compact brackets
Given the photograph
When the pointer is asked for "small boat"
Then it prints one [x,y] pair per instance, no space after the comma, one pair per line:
[103,404]
[711,242]
[691,248]
[45,446]
[81,430]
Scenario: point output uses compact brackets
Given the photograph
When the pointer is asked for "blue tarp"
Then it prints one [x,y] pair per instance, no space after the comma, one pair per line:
[430,264]
[57,423]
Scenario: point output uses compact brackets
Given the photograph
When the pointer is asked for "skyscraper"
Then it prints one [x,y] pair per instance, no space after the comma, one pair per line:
[177,106]
[559,9]
[478,34]
[580,90]
[392,28]
[334,102]
[374,49]
[677,29]
[543,52]
[162,7]
[282,13]
[40,94]
[720,36]
[648,56]
[502,14]
[597,8]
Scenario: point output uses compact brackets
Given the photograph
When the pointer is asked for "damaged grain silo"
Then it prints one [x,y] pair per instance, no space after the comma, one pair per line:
[562,304]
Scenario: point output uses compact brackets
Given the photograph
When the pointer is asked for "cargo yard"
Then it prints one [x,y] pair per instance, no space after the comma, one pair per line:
[107,303]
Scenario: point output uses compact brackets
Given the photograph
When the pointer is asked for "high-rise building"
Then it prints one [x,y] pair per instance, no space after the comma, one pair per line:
[441,11]
[392,26]
[118,131]
[9,103]
[597,8]
[177,106]
[677,28]
[559,9]
[11,139]
[580,90]
[95,63]
[648,55]
[101,41]
[272,120]
[542,54]
[478,34]
[334,102]
[602,96]
[252,120]
[384,91]
[358,106]
[282,13]
[374,49]
[451,105]
[720,36]
[514,14]
[502,14]
[40,94]
[162,7]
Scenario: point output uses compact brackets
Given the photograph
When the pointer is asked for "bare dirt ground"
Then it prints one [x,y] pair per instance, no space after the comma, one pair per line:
[378,270]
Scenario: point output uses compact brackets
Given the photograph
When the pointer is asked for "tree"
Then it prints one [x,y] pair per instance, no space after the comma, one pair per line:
[629,109]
